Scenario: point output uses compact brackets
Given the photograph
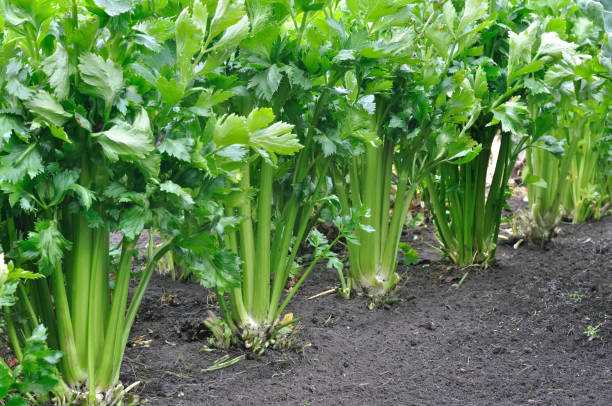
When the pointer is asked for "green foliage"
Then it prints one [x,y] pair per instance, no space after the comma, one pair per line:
[562,166]
[592,332]
[233,128]
[106,125]
[34,374]
[524,59]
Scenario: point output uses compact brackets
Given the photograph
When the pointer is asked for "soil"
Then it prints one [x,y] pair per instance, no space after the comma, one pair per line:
[512,334]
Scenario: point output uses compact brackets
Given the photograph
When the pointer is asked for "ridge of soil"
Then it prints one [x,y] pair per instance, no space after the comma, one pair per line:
[510,334]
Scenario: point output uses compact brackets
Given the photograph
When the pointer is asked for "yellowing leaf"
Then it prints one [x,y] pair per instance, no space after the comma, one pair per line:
[287,318]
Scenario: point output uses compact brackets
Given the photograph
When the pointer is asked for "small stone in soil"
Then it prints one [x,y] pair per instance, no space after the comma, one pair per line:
[429,325]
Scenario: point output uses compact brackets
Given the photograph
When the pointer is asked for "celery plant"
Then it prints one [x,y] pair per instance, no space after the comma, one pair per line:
[255,307]
[251,309]
[275,200]
[563,167]
[78,160]
[588,195]
[403,103]
[467,215]
[575,105]
[585,196]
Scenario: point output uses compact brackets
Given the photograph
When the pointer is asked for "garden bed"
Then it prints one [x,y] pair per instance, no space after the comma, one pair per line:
[510,334]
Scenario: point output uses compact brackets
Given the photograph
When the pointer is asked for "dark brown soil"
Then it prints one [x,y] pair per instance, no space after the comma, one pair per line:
[512,334]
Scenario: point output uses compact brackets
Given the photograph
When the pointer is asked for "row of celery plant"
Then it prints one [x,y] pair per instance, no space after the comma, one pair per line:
[81,116]
[568,181]
[513,56]
[416,137]
[589,194]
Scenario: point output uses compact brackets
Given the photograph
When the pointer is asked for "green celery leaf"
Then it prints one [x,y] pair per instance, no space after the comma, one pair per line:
[227,13]
[534,180]
[46,243]
[297,77]
[174,189]
[115,7]
[543,124]
[593,9]
[21,160]
[368,103]
[266,82]
[411,256]
[133,221]
[231,129]
[86,196]
[16,400]
[558,74]
[148,42]
[552,145]
[15,88]
[551,44]
[7,296]
[119,192]
[57,68]
[234,153]
[188,41]
[328,146]
[512,116]
[48,108]
[481,86]
[440,39]
[151,166]
[234,34]
[228,223]
[334,262]
[200,16]
[161,29]
[209,98]
[61,184]
[473,10]
[103,78]
[344,55]
[171,91]
[276,139]
[520,49]
[38,367]
[8,125]
[60,133]
[130,142]
[221,270]
[450,15]
[259,118]
[83,122]
[180,149]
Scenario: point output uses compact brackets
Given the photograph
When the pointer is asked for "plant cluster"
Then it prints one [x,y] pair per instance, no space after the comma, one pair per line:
[231,129]
[568,170]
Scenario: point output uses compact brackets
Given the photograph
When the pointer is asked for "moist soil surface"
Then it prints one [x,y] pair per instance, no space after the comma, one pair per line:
[511,334]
